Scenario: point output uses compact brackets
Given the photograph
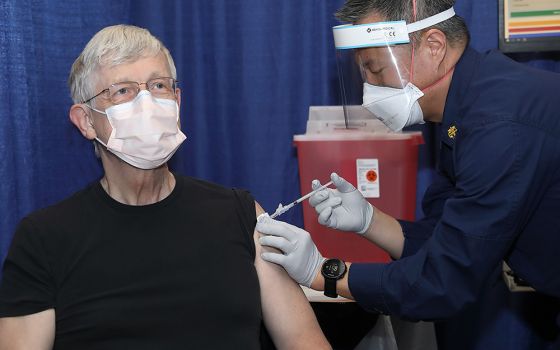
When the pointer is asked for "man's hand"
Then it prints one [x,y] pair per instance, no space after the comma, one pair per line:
[301,258]
[344,208]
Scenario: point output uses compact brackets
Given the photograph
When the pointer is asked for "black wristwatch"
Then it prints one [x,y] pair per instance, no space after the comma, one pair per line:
[332,270]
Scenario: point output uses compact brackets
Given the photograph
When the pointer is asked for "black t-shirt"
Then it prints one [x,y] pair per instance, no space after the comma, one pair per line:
[177,274]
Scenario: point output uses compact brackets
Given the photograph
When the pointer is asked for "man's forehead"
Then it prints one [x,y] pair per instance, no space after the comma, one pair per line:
[140,70]
[134,77]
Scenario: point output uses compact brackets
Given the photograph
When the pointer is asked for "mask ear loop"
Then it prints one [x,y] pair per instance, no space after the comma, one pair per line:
[96,140]
[411,75]
[439,80]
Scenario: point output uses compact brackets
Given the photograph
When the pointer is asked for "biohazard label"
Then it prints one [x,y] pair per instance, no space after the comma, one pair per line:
[367,171]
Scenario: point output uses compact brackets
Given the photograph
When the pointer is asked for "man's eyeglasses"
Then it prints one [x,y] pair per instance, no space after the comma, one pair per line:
[162,87]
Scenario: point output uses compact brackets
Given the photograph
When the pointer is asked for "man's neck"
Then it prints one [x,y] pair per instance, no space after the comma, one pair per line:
[129,185]
[437,96]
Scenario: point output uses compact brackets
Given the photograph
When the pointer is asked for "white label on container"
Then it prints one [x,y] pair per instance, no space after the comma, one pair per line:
[368,177]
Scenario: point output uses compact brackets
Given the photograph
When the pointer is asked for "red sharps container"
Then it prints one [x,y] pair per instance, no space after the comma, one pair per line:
[381,164]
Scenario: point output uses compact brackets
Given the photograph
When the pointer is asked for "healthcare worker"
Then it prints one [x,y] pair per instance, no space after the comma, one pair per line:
[497,194]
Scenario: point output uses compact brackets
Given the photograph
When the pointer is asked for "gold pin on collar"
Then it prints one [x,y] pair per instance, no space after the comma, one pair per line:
[452,132]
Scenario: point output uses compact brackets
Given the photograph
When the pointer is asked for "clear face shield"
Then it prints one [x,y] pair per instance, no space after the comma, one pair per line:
[375,67]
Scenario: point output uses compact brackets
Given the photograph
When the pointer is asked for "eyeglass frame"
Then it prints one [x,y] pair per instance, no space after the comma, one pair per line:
[175,82]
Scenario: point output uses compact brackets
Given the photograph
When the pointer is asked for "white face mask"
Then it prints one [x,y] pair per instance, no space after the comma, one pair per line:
[145,130]
[396,108]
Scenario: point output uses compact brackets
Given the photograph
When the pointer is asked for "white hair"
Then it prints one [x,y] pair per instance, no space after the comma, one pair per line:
[112,46]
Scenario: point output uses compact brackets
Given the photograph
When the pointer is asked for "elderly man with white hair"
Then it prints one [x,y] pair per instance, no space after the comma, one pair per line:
[144,258]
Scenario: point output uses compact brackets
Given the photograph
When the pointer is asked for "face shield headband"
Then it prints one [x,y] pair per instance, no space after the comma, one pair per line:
[349,36]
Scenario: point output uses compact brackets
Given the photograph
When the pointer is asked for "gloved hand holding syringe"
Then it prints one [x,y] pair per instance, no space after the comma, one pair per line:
[282,209]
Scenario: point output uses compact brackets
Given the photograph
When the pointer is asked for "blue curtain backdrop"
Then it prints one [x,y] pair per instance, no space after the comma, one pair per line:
[249,70]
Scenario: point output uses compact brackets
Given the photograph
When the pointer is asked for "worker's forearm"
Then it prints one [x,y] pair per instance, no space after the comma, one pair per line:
[386,232]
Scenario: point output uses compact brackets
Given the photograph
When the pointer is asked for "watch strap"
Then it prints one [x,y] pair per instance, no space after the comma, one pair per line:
[330,287]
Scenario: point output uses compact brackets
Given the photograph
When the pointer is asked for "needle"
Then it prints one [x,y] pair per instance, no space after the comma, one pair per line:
[282,209]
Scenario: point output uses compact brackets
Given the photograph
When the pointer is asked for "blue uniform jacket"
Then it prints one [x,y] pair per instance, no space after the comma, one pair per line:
[497,196]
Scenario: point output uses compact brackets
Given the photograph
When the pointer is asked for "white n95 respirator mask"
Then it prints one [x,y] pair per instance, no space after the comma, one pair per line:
[145,130]
[396,108]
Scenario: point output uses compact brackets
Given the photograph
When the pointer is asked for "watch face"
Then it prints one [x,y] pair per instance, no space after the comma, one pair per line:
[333,268]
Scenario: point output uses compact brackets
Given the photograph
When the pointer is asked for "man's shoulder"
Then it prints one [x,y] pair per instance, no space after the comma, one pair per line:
[504,91]
[209,188]
[211,196]
[68,207]
[518,84]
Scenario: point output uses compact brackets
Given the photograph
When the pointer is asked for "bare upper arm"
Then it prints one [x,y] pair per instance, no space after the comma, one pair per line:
[287,313]
[35,331]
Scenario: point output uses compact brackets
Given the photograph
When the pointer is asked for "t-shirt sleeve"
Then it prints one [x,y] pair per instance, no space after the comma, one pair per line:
[27,285]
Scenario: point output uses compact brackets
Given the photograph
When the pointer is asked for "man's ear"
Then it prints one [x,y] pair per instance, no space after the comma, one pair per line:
[435,44]
[80,117]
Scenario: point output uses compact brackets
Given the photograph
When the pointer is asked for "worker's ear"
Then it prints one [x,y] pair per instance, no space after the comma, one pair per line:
[81,117]
[434,48]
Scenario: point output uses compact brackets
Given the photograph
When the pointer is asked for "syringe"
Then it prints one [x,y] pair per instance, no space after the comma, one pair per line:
[282,209]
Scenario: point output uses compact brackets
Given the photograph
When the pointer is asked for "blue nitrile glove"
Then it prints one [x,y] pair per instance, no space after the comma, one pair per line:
[343,208]
[301,258]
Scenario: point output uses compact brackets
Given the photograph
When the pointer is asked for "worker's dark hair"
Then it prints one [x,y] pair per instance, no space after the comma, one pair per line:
[454,28]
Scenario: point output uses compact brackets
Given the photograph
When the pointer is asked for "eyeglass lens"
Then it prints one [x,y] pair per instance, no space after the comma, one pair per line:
[127,91]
